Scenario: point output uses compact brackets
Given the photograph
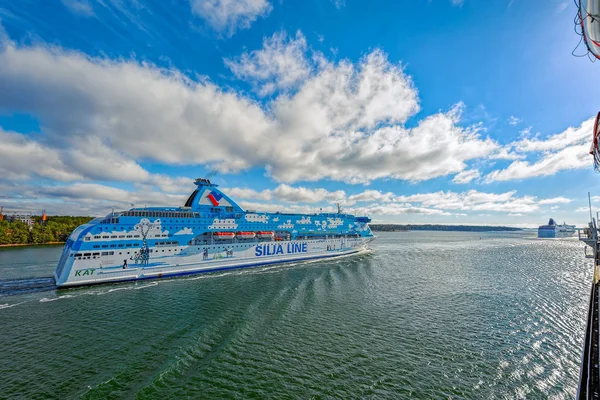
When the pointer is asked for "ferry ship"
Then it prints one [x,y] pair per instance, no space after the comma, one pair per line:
[552,230]
[209,233]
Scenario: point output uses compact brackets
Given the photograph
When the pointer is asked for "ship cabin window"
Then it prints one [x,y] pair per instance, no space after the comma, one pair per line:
[113,237]
[229,209]
[121,236]
[105,237]
[104,245]
[96,237]
[97,246]
[129,236]
[87,254]
[112,245]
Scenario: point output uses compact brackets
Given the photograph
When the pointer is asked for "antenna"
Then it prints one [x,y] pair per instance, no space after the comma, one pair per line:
[339,208]
[590,203]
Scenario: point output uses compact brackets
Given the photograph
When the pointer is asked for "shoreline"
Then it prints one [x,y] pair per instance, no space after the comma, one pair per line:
[30,244]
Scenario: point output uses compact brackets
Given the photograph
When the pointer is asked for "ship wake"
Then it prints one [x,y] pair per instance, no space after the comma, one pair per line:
[11,287]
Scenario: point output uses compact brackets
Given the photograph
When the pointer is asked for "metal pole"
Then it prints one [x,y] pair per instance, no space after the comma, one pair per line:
[590,204]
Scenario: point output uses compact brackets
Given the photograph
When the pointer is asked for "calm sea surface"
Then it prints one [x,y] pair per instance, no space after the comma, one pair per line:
[425,315]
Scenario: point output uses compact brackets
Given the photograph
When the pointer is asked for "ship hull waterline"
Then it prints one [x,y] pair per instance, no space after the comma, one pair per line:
[131,274]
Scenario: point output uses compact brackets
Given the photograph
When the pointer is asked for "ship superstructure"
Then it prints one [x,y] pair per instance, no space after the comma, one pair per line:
[210,232]
[554,230]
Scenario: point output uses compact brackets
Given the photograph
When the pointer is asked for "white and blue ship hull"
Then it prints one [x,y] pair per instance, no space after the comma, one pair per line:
[211,232]
[188,260]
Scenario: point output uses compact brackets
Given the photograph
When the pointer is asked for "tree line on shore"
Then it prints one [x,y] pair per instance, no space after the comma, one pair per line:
[465,228]
[55,229]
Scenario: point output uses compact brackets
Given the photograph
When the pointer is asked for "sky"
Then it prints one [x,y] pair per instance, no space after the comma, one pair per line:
[420,111]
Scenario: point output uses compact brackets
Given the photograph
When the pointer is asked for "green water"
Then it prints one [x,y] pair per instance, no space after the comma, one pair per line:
[426,315]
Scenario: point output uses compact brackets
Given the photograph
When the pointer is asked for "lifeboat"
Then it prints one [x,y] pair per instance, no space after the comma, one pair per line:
[223,235]
[265,234]
[245,235]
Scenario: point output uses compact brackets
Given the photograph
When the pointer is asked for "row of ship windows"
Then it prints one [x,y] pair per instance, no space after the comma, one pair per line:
[113,237]
[173,214]
[167,214]
[87,238]
[87,256]
[104,246]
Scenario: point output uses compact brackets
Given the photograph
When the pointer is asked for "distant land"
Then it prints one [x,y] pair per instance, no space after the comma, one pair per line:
[55,230]
[463,228]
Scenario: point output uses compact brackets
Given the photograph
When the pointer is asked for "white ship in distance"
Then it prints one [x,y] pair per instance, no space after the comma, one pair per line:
[553,230]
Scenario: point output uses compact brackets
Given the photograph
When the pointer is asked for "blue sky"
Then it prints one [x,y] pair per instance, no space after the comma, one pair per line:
[439,111]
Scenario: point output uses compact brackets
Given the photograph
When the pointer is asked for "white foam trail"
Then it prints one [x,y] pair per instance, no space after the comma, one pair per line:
[6,305]
[47,300]
[151,284]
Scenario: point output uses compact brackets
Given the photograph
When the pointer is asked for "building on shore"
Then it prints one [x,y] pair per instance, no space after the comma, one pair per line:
[24,218]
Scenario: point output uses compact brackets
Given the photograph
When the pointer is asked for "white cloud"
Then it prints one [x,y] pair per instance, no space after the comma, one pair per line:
[80,198]
[473,200]
[287,193]
[280,64]
[229,16]
[372,195]
[114,103]
[512,120]
[345,122]
[571,136]
[397,209]
[524,133]
[555,200]
[377,202]
[504,153]
[301,194]
[466,176]
[85,191]
[573,157]
[21,157]
[562,151]
[79,7]
[562,6]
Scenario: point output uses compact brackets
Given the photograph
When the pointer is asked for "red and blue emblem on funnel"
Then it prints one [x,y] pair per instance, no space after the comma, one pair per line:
[215,198]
